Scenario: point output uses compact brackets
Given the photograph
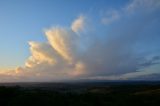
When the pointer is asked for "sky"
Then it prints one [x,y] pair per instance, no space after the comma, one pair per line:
[59,40]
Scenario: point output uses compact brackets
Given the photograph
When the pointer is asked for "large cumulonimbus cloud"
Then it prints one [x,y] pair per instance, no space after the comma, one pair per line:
[129,49]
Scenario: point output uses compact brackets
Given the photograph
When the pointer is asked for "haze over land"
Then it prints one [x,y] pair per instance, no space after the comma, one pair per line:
[99,40]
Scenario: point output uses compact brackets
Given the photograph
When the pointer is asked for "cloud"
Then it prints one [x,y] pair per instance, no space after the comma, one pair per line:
[133,7]
[151,61]
[78,24]
[63,41]
[110,16]
[128,50]
[41,52]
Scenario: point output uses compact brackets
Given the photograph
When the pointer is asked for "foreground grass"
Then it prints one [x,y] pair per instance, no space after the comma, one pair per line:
[128,95]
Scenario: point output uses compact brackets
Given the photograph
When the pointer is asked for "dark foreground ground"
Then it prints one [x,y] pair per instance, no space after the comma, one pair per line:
[80,94]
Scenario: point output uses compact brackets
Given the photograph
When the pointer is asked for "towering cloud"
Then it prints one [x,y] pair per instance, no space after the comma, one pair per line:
[41,53]
[63,41]
[127,50]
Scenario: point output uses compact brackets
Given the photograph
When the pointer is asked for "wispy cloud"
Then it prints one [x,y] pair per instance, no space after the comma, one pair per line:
[134,6]
[110,16]
[78,24]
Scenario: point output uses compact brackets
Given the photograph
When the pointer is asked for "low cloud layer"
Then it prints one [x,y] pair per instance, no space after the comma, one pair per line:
[128,50]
